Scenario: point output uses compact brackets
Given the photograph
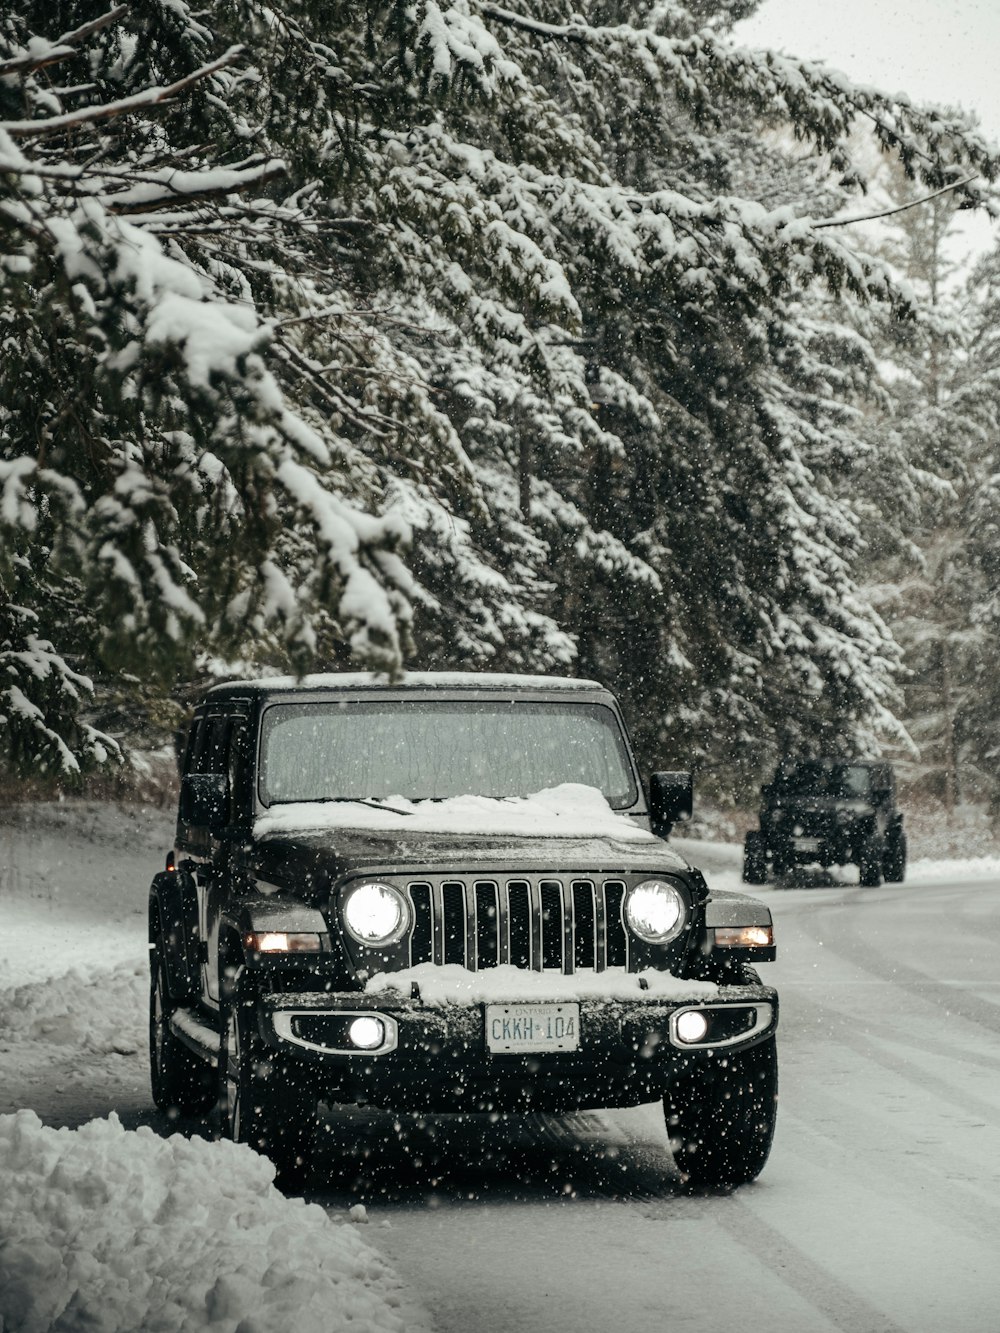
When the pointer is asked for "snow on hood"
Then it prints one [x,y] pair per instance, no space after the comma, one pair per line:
[454,984]
[119,1230]
[570,810]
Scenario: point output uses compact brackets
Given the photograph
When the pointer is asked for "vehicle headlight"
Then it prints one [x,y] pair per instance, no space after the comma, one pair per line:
[655,911]
[375,913]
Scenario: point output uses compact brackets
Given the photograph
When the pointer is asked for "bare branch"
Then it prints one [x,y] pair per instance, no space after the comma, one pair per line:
[334,397]
[888,212]
[151,97]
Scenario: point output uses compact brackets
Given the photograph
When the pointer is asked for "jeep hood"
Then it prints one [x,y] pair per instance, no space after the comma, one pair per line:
[309,862]
[566,828]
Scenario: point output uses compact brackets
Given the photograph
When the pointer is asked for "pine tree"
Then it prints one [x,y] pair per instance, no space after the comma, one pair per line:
[523,292]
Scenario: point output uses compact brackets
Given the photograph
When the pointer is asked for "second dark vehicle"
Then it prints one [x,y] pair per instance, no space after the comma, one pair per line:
[828,812]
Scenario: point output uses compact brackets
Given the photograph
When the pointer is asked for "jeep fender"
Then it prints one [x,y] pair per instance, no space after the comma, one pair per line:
[251,916]
[726,908]
[173,924]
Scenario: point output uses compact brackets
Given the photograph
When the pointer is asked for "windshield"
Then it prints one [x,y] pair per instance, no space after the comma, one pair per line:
[432,750]
[814,778]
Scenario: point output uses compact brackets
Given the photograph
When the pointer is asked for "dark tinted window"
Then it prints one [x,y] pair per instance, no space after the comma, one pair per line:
[210,751]
[825,778]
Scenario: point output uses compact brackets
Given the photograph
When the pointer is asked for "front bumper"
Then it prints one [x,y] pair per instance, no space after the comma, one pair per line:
[437,1057]
[839,847]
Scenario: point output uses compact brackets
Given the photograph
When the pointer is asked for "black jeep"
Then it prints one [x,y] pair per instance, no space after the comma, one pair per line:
[451,893]
[828,812]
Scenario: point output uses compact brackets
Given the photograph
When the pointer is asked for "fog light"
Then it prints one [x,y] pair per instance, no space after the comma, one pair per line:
[367,1033]
[692,1026]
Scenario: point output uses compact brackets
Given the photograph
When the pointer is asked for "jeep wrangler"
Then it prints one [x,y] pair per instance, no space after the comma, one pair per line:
[450,893]
[828,812]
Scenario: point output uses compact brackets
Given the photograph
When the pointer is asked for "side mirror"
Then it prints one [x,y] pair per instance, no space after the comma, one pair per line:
[204,799]
[671,798]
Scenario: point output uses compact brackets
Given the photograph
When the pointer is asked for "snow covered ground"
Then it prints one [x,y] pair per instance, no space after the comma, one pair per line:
[110,1223]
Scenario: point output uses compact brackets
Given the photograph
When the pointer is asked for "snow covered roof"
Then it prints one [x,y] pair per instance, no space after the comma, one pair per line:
[423,680]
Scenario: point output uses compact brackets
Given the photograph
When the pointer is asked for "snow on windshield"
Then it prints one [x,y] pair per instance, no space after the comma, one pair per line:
[567,811]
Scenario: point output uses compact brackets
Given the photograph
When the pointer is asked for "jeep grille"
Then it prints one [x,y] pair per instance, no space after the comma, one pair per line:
[565,924]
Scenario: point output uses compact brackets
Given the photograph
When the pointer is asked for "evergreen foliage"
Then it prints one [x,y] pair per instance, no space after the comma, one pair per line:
[502,279]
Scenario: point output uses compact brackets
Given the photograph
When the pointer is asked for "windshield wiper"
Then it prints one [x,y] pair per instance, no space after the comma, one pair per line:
[373,804]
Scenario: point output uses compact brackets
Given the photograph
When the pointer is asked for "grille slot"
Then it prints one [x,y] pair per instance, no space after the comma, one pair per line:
[519,923]
[422,932]
[454,923]
[584,926]
[487,925]
[567,924]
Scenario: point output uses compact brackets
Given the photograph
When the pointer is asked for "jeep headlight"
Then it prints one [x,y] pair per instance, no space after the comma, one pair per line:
[655,911]
[375,913]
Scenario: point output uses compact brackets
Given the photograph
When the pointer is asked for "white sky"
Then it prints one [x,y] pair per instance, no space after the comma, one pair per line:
[934,50]
[945,51]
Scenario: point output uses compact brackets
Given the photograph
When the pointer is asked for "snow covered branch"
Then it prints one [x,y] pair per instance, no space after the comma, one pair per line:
[150,97]
[42,53]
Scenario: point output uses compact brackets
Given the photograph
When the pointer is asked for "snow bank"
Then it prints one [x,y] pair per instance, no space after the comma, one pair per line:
[927,870]
[454,984]
[570,810]
[116,1231]
[93,1012]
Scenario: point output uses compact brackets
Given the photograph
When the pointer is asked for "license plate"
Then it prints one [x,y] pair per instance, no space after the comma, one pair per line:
[532,1027]
[807,844]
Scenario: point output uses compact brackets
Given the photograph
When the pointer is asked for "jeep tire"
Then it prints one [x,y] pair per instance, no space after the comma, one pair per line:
[720,1117]
[259,1104]
[182,1083]
[894,863]
[754,859]
[870,864]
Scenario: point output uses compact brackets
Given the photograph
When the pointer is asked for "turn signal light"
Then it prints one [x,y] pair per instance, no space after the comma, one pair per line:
[281,941]
[744,937]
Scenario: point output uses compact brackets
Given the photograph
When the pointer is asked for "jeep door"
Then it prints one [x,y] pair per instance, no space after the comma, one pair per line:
[219,746]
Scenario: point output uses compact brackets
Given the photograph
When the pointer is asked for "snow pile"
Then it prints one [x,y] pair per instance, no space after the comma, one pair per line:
[454,984]
[99,1012]
[120,1231]
[570,810]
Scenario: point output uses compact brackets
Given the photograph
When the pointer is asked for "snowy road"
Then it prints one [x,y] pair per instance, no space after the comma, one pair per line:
[879,1211]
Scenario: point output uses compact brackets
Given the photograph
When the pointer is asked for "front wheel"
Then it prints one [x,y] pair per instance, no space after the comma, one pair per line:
[720,1117]
[182,1083]
[260,1101]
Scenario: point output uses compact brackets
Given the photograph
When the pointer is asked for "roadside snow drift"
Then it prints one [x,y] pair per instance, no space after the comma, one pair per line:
[117,1231]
